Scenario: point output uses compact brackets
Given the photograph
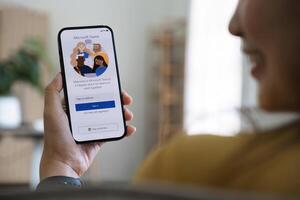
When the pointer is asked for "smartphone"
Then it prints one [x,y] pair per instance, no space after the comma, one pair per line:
[91,82]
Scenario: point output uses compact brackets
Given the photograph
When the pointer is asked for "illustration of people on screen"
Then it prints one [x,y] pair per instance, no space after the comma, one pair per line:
[97,60]
[80,49]
[99,65]
[81,68]
[97,51]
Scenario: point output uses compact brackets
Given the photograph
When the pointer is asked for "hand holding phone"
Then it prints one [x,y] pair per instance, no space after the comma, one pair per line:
[62,156]
[91,83]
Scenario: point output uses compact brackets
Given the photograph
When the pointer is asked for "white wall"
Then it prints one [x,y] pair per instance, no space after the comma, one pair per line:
[130,19]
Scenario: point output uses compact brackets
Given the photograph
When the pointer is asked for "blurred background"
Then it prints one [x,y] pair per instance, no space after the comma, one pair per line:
[176,58]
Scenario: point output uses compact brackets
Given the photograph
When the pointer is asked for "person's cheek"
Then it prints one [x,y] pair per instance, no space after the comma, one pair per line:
[256,21]
[274,85]
[270,95]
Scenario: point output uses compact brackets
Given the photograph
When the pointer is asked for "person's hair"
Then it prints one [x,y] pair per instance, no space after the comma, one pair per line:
[99,58]
[80,56]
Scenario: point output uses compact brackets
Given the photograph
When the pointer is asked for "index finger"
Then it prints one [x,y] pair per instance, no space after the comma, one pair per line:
[127,99]
[52,97]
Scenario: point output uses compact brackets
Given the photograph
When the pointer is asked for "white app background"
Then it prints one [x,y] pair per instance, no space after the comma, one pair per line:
[87,95]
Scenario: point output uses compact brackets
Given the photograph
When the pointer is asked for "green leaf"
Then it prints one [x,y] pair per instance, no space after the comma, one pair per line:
[23,66]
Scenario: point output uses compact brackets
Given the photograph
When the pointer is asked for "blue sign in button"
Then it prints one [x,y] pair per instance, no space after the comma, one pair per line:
[95,105]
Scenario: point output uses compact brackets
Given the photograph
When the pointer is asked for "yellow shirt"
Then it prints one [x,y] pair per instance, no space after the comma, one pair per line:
[263,163]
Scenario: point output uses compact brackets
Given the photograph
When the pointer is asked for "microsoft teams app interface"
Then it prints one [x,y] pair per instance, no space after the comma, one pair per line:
[92,83]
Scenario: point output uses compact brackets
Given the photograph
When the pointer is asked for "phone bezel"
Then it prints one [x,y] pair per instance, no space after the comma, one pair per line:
[62,67]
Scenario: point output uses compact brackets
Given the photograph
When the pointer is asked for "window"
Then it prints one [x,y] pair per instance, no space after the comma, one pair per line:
[213,86]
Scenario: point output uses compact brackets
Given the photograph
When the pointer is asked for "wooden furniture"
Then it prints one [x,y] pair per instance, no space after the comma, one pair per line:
[18,161]
[171,43]
[16,25]
[16,153]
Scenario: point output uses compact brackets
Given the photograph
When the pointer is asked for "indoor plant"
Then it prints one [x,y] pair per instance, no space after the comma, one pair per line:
[24,66]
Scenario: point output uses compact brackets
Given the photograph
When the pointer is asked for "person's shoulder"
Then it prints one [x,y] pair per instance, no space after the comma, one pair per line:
[197,144]
[202,141]
[86,68]
[186,154]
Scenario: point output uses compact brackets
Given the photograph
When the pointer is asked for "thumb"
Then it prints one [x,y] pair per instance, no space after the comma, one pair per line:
[52,97]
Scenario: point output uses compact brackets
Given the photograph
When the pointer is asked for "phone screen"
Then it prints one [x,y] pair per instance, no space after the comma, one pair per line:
[91,83]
